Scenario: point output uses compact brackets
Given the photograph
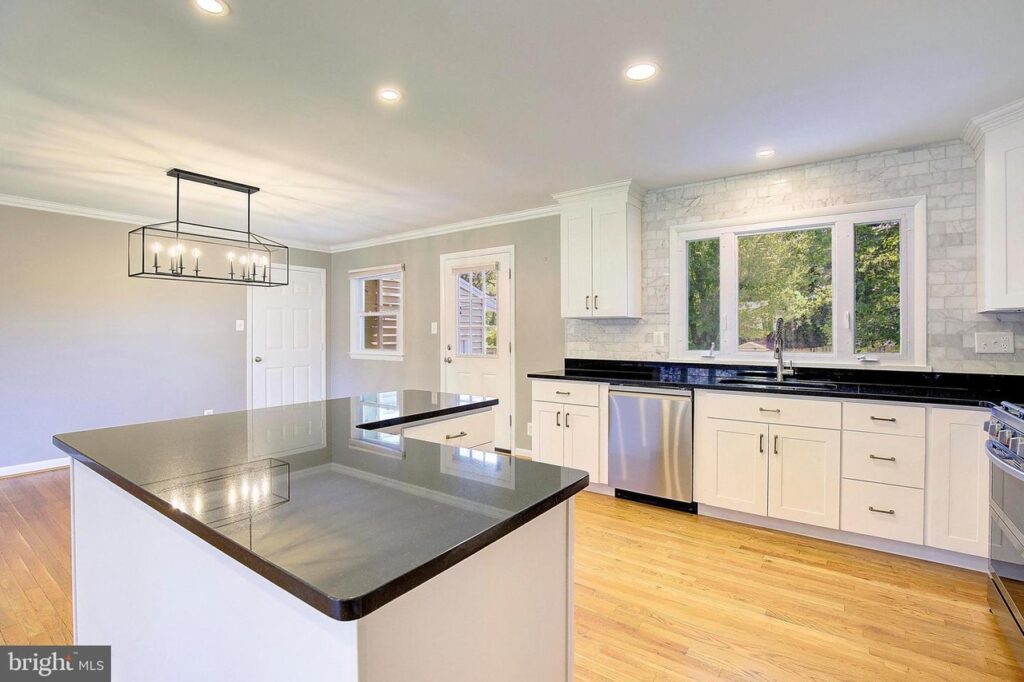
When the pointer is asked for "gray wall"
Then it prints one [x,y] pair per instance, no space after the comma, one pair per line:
[943,172]
[539,334]
[84,346]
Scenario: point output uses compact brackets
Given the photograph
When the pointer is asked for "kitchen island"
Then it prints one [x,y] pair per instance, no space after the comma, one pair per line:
[318,542]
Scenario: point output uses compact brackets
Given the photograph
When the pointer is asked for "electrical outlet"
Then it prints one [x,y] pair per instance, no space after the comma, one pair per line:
[529,428]
[993,342]
[207,412]
[239,325]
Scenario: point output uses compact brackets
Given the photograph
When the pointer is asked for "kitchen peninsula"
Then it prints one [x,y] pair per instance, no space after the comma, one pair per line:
[321,541]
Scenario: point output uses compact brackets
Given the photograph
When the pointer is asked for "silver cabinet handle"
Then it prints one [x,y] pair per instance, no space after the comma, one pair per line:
[760,447]
[595,301]
[566,420]
[776,445]
[765,409]
[561,392]
[882,511]
[883,419]
[587,303]
[883,459]
[558,418]
[257,359]
[460,434]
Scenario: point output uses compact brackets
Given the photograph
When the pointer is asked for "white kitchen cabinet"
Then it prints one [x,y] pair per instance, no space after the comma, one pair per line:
[804,475]
[730,466]
[998,141]
[600,251]
[568,435]
[957,481]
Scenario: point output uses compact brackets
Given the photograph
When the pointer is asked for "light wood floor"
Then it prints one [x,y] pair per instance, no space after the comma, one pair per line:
[660,595]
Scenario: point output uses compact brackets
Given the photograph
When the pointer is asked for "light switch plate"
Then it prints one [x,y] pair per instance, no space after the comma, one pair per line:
[993,342]
[433,327]
[239,325]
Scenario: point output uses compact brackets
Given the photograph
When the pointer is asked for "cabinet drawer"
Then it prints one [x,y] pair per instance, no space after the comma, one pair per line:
[567,392]
[905,420]
[822,414]
[884,458]
[884,511]
[468,431]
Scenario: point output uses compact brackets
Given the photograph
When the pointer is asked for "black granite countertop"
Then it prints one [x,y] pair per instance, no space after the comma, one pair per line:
[345,518]
[974,390]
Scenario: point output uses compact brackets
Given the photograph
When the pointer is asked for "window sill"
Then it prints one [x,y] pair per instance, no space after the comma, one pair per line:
[392,357]
[801,362]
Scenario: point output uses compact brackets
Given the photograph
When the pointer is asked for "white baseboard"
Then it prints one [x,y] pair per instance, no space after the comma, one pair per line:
[30,467]
[523,452]
[941,556]
[601,489]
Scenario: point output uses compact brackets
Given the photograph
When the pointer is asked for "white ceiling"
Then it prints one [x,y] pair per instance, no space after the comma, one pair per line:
[505,102]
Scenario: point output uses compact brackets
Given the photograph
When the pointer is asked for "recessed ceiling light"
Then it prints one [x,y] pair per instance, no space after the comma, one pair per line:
[641,71]
[389,94]
[765,153]
[218,7]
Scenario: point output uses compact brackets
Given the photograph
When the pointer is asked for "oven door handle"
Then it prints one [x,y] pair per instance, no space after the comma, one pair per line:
[993,455]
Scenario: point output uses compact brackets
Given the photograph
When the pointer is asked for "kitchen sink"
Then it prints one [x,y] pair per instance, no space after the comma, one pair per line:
[779,385]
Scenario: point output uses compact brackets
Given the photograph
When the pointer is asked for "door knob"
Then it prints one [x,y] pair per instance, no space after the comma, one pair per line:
[257,359]
[448,360]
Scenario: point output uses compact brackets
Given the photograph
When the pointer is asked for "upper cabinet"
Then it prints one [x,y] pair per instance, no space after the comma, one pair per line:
[998,141]
[601,251]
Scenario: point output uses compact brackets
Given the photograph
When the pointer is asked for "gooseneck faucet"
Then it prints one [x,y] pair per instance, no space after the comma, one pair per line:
[781,370]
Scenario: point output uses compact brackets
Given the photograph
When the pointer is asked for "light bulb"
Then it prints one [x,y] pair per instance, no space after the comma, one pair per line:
[231,256]
[195,253]
[157,247]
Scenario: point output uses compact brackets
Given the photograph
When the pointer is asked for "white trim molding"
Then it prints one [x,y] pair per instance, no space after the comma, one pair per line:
[34,467]
[71,209]
[974,131]
[501,219]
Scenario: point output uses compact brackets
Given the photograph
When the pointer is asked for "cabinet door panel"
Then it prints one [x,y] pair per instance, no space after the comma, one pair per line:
[548,428]
[957,482]
[804,475]
[731,465]
[577,262]
[582,440]
[611,251]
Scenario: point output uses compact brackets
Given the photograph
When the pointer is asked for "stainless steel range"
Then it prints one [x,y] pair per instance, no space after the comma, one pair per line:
[1005,447]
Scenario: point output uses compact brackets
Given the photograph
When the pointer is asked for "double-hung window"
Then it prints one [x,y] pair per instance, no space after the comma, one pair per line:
[850,288]
[376,312]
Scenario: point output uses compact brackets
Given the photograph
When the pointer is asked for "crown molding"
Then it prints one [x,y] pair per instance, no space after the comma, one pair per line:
[631,189]
[71,209]
[501,219]
[974,131]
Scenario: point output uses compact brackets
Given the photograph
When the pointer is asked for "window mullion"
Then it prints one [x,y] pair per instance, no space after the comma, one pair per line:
[729,292]
[843,288]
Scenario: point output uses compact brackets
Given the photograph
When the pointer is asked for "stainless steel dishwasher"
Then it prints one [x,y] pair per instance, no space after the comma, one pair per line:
[650,444]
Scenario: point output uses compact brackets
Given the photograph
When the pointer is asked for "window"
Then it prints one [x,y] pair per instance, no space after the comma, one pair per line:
[477,312]
[849,287]
[376,307]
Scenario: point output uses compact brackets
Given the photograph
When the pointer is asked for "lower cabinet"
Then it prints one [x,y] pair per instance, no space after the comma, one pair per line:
[786,472]
[567,435]
[957,481]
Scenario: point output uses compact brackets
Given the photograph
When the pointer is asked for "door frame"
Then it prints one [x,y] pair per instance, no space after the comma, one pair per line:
[323,333]
[510,251]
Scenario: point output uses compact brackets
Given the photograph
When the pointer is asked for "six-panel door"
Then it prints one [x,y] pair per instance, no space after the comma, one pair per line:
[804,475]
[732,468]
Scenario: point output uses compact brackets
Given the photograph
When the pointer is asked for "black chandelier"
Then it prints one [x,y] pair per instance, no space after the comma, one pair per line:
[194,252]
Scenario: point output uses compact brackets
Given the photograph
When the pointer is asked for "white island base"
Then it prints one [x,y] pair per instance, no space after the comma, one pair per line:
[175,608]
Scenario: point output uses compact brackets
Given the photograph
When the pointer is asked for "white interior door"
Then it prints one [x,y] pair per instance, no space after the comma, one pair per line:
[477,302]
[287,335]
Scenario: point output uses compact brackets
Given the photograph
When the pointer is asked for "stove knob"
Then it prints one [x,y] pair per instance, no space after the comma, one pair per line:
[992,427]
[1004,436]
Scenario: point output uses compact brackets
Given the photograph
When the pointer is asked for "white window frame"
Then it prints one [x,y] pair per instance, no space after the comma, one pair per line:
[356,279]
[909,211]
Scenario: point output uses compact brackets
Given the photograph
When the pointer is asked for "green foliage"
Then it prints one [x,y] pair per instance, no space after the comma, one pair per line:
[702,315]
[787,274]
[877,287]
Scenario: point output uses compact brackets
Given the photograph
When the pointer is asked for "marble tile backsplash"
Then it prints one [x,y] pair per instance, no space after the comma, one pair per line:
[943,172]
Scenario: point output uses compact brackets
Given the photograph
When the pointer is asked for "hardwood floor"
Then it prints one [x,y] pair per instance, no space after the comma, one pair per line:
[660,595]
[35,559]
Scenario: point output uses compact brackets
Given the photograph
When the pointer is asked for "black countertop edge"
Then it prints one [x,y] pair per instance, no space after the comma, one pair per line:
[940,388]
[432,414]
[344,609]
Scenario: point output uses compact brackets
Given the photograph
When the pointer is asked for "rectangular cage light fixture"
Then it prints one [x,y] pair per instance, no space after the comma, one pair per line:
[185,251]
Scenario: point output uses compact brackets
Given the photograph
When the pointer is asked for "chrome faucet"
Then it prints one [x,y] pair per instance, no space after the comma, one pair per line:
[781,370]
